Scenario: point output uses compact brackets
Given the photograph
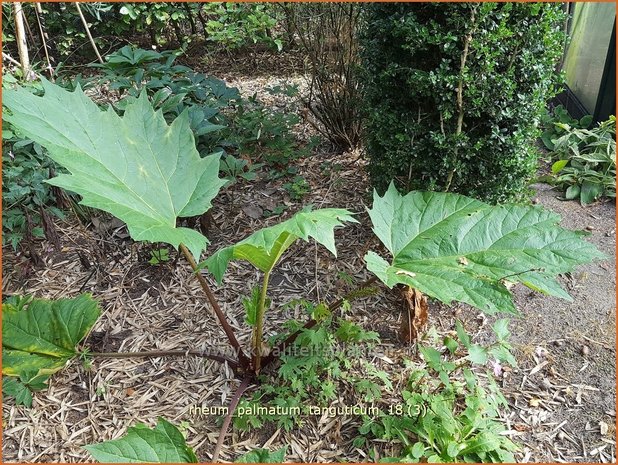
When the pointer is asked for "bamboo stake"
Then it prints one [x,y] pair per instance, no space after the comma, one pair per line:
[20,37]
[94,45]
[39,11]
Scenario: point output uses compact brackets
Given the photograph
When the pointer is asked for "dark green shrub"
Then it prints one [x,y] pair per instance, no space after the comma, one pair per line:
[454,93]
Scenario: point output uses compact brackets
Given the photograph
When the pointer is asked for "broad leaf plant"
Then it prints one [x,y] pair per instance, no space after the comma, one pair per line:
[148,173]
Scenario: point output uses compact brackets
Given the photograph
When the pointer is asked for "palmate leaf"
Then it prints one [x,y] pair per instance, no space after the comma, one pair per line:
[136,167]
[12,387]
[40,338]
[162,444]
[452,247]
[264,248]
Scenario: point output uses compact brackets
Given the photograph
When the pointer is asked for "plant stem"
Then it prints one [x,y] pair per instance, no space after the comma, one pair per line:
[259,324]
[163,353]
[229,332]
[228,418]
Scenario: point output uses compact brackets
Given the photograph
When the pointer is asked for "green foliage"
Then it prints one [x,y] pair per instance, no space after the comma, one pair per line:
[252,304]
[263,456]
[586,164]
[21,389]
[25,194]
[24,191]
[219,117]
[234,25]
[162,444]
[419,133]
[222,25]
[150,175]
[259,133]
[452,247]
[264,248]
[445,414]
[172,89]
[351,332]
[322,362]
[39,337]
[298,187]
[234,168]
[552,124]
[159,256]
[446,245]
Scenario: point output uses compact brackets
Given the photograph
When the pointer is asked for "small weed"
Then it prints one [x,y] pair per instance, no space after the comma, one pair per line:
[297,188]
[159,256]
[445,415]
[316,368]
[278,210]
[234,168]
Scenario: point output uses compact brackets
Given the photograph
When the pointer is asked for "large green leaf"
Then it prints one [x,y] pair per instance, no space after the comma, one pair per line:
[136,167]
[40,338]
[453,247]
[163,444]
[265,247]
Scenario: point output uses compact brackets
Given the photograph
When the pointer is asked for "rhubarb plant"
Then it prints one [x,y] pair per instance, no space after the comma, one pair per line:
[136,167]
[149,174]
[454,248]
[39,337]
[264,248]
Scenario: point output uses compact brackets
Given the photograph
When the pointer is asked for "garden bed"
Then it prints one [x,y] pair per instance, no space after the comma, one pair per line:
[562,395]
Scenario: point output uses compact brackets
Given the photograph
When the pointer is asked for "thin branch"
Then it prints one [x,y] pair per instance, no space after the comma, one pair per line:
[460,108]
[38,20]
[6,56]
[242,358]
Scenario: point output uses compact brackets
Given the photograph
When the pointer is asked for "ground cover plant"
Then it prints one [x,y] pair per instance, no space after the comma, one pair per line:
[447,246]
[586,161]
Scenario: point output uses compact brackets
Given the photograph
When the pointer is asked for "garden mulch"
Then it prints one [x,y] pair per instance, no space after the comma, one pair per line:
[562,394]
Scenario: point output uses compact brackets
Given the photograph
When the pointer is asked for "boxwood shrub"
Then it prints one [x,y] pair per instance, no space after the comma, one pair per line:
[454,92]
